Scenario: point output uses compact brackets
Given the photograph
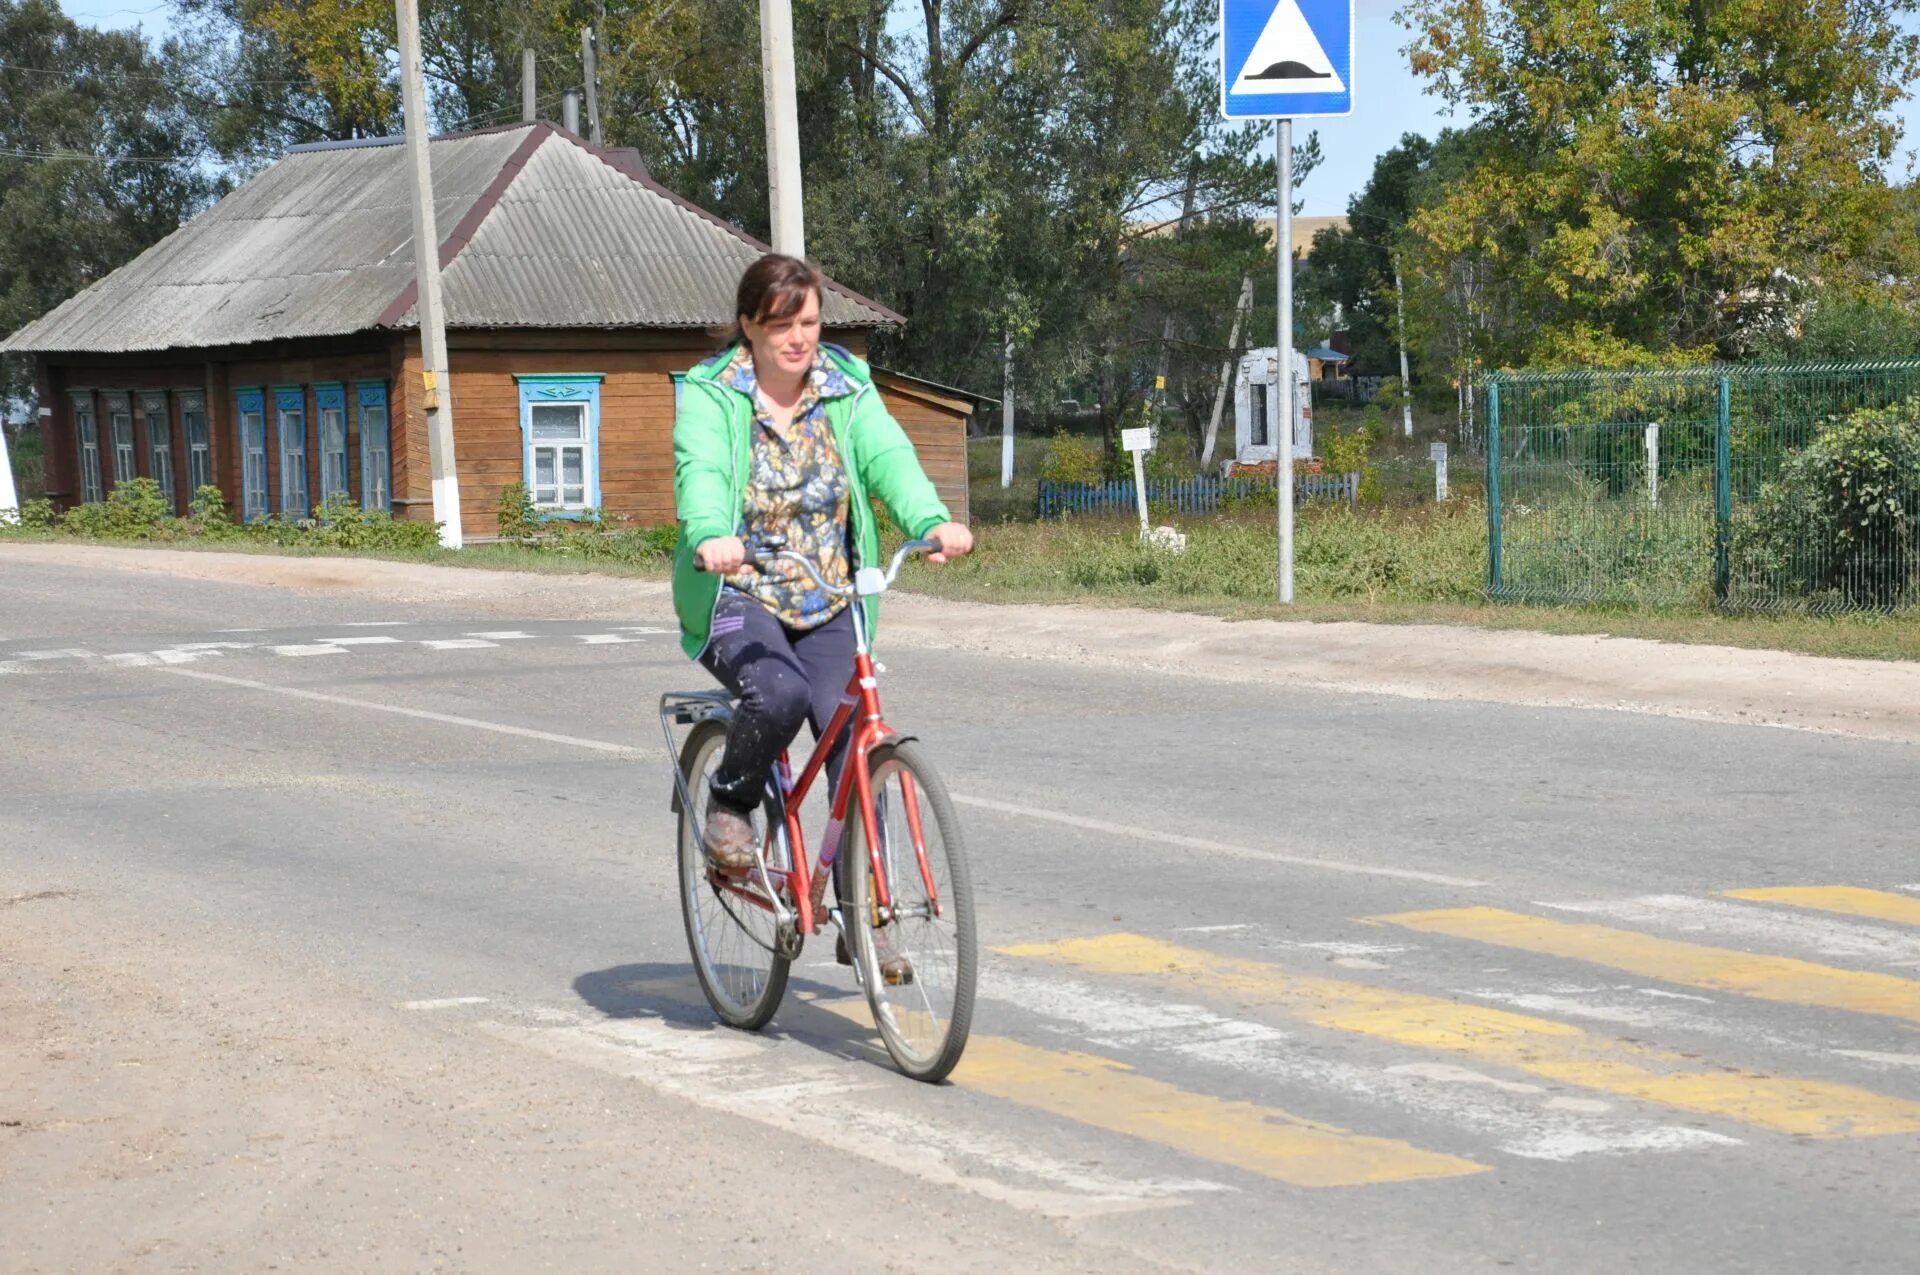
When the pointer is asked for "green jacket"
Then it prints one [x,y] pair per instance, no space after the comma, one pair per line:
[712,436]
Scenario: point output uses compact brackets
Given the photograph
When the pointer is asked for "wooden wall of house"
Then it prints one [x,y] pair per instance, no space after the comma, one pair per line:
[636,417]
[218,374]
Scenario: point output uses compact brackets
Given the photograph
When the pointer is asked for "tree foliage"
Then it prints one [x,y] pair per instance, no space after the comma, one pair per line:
[99,157]
[1652,175]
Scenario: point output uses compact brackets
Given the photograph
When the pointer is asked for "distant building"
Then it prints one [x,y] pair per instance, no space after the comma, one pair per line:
[271,347]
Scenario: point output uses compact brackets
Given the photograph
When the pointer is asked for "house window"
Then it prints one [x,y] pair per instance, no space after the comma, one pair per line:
[252,416]
[153,407]
[120,424]
[560,425]
[376,448]
[290,426]
[86,433]
[331,402]
[193,423]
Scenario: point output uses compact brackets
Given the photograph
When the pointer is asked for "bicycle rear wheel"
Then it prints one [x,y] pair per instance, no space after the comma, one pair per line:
[732,936]
[924,1019]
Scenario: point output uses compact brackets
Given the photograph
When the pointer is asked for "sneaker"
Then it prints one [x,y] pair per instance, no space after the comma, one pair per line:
[729,840]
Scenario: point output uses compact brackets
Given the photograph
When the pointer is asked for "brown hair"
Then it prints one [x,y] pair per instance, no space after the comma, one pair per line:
[774,287]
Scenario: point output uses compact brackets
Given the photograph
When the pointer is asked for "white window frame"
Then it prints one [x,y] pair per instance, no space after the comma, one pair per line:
[199,435]
[86,448]
[289,406]
[375,428]
[330,403]
[576,390]
[250,420]
[126,463]
[160,443]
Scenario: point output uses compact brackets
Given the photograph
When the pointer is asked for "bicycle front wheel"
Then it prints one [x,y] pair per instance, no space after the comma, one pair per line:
[731,929]
[917,956]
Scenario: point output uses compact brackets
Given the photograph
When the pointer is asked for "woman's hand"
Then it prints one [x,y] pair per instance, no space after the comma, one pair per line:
[721,555]
[951,540]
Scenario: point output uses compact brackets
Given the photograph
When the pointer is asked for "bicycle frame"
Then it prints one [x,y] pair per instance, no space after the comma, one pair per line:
[859,717]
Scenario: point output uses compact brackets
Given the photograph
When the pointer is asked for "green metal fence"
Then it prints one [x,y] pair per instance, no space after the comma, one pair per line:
[1718,485]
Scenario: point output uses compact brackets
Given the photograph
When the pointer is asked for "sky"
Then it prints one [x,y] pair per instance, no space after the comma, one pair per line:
[1388,101]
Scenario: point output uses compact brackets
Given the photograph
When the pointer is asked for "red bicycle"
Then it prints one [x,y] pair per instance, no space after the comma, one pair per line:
[907,890]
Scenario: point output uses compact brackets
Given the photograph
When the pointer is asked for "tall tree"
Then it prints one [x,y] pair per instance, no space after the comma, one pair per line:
[100,156]
[1656,175]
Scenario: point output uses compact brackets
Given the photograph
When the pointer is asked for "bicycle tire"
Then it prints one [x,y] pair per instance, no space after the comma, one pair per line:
[740,973]
[925,1040]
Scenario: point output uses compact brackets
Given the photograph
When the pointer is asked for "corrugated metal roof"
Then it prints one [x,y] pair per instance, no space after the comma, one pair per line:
[321,244]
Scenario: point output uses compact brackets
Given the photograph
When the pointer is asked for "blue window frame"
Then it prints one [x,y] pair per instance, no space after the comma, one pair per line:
[560,441]
[250,420]
[330,405]
[376,446]
[290,426]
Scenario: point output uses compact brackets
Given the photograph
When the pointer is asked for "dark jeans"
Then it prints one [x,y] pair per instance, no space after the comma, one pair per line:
[782,678]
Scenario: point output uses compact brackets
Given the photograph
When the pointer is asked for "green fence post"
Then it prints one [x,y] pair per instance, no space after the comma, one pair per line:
[1493,488]
[1723,496]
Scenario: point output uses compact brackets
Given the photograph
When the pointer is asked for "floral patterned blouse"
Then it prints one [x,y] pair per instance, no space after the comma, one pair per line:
[797,488]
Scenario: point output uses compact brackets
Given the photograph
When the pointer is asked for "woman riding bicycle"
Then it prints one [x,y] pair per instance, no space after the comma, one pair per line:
[780,436]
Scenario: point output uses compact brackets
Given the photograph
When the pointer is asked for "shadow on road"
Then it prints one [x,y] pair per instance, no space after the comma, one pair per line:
[670,994]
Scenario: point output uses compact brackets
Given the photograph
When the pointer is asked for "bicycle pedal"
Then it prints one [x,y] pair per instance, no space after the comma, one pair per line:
[897,978]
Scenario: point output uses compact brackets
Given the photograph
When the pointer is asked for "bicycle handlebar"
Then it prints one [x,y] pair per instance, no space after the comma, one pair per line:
[766,550]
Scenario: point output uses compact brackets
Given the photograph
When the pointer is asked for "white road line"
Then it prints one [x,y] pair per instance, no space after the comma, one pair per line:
[1050,816]
[842,1108]
[132,659]
[1852,940]
[65,653]
[1529,1120]
[457,644]
[508,635]
[215,646]
[449,719]
[1216,847]
[239,630]
[645,630]
[1211,929]
[367,624]
[1874,1055]
[444,1002]
[378,639]
[606,639]
[301,649]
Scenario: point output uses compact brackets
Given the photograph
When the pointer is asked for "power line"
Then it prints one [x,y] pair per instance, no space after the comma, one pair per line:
[7,152]
[157,79]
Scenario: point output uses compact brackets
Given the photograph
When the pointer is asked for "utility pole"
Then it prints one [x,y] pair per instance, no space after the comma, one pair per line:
[1240,312]
[1283,252]
[1406,384]
[591,69]
[783,128]
[436,385]
[9,498]
[528,98]
[1006,417]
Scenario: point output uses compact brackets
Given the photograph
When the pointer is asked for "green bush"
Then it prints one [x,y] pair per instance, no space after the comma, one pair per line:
[134,510]
[1352,453]
[517,517]
[1839,520]
[339,523]
[37,514]
[1072,459]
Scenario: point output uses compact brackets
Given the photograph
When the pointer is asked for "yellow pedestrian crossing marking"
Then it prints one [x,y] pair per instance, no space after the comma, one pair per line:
[1112,1096]
[1721,969]
[1538,1046]
[1849,900]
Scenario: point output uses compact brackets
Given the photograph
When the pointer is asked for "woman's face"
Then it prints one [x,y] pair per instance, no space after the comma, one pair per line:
[787,344]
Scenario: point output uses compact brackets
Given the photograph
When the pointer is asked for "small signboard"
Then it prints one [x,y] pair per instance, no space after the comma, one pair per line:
[1137,440]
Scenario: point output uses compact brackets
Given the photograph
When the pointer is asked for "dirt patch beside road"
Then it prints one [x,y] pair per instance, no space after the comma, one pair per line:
[1868,698]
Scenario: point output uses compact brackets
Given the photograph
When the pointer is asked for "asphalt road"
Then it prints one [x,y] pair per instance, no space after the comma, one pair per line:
[357,929]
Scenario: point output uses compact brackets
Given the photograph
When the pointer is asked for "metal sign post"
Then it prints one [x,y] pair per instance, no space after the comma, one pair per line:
[1285,60]
[1139,442]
